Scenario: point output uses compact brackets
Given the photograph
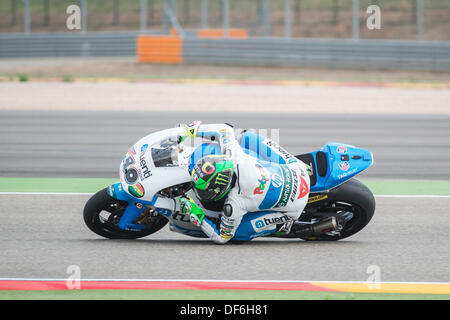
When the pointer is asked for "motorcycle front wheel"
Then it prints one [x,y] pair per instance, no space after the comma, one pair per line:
[102,214]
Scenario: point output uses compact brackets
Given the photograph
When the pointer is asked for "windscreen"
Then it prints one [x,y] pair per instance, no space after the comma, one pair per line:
[166,153]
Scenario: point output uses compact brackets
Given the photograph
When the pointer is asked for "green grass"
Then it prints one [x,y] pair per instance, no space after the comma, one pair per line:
[23,77]
[91,185]
[85,185]
[207,295]
[409,187]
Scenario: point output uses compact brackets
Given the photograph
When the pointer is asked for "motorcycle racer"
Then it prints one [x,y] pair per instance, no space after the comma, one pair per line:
[243,183]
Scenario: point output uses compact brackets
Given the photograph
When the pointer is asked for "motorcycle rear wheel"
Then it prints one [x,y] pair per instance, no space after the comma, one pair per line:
[352,198]
[102,202]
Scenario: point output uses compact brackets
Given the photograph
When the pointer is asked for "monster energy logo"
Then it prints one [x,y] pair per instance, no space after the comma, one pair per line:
[287,187]
[222,179]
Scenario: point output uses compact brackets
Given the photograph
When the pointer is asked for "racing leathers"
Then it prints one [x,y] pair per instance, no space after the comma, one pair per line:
[282,189]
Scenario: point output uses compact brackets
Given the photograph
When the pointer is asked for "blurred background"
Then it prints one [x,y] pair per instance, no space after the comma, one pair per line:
[408,34]
[401,19]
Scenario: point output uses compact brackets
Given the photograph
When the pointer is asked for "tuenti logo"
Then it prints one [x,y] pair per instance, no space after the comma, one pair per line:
[145,170]
[259,224]
[276,220]
[267,221]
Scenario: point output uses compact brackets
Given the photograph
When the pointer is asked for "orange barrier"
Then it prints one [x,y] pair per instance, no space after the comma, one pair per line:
[168,49]
[220,33]
[159,49]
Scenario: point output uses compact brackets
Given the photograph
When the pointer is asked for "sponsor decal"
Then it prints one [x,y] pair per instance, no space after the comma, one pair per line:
[127,162]
[192,128]
[226,228]
[130,152]
[222,179]
[145,171]
[277,181]
[304,189]
[139,205]
[340,176]
[259,224]
[144,148]
[208,168]
[276,220]
[344,165]
[341,149]
[317,198]
[294,186]
[287,187]
[137,190]
[262,181]
[283,153]
[268,221]
[131,175]
[195,220]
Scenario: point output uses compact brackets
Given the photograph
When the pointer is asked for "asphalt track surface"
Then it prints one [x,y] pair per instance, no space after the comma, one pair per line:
[92,144]
[42,235]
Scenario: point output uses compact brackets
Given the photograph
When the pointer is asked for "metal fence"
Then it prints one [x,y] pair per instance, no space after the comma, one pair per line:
[264,47]
[400,19]
[331,53]
[365,54]
[68,44]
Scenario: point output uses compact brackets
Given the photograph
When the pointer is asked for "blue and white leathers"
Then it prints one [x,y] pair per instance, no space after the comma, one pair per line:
[272,186]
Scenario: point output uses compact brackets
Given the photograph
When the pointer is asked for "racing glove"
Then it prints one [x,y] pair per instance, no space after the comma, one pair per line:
[189,207]
[190,129]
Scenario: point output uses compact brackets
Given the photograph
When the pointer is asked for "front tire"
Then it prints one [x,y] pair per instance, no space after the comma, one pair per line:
[107,227]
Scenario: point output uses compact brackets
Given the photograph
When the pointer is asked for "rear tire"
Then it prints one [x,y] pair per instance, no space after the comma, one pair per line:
[352,196]
[101,201]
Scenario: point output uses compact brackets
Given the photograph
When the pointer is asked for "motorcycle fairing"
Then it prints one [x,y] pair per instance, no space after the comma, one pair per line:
[334,164]
[155,165]
[329,166]
[162,206]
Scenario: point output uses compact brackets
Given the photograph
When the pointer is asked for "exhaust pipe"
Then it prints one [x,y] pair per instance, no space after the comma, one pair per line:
[318,228]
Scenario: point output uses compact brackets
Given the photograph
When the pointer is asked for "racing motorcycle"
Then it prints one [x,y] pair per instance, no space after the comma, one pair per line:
[154,174]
